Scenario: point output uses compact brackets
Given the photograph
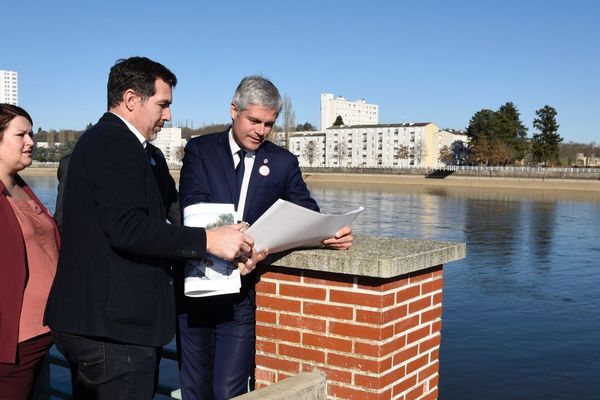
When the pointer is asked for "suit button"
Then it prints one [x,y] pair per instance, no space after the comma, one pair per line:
[171,282]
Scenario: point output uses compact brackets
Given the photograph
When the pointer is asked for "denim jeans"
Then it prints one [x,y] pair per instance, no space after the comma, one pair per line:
[102,369]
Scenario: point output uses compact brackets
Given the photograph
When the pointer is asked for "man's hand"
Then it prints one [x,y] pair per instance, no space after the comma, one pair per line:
[341,241]
[228,243]
[247,264]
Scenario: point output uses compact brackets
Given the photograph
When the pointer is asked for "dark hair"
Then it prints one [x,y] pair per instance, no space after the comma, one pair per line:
[259,91]
[8,112]
[139,74]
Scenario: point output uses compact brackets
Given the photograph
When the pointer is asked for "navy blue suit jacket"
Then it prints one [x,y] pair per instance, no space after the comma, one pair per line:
[208,176]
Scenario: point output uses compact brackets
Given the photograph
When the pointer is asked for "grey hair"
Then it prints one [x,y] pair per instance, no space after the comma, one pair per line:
[258,91]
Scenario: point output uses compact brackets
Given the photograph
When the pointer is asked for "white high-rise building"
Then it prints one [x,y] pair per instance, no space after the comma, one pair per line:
[170,142]
[9,87]
[352,112]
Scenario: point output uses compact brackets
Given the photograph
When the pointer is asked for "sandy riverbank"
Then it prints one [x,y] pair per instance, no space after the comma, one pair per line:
[399,180]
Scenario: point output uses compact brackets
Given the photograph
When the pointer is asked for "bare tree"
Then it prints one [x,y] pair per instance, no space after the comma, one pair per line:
[288,119]
[419,152]
[310,152]
[340,151]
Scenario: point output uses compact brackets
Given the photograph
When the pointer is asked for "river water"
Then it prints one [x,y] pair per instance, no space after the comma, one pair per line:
[521,314]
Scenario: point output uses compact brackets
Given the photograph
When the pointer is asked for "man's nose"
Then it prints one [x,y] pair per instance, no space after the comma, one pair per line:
[166,114]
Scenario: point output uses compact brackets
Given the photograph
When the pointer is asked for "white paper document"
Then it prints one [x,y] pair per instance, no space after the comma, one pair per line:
[212,276]
[287,225]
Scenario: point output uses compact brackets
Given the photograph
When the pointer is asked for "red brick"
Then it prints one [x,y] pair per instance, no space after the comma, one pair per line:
[302,322]
[424,274]
[431,315]
[282,376]
[361,299]
[419,276]
[395,313]
[432,286]
[393,346]
[327,310]
[429,344]
[266,287]
[379,382]
[436,327]
[434,355]
[433,395]
[346,392]
[417,335]
[406,354]
[276,303]
[438,298]
[434,381]
[415,393]
[406,324]
[266,317]
[304,292]
[277,364]
[428,372]
[369,317]
[327,342]
[264,375]
[416,364]
[331,374]
[379,350]
[284,335]
[266,347]
[328,279]
[380,284]
[301,353]
[281,274]
[381,318]
[361,331]
[358,363]
[418,305]
[407,294]
[437,271]
[404,385]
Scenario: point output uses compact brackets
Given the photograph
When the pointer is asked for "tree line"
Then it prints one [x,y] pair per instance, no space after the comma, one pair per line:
[500,138]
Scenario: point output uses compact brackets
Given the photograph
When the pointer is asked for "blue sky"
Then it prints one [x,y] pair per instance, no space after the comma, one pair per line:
[429,60]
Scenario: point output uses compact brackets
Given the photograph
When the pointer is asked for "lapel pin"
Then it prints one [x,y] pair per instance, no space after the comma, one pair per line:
[264,170]
[266,161]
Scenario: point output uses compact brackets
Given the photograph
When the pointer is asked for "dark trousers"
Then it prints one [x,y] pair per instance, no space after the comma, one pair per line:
[216,340]
[102,369]
[17,380]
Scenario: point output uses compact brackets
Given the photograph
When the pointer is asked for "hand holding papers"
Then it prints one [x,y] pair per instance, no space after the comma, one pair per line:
[211,276]
[286,226]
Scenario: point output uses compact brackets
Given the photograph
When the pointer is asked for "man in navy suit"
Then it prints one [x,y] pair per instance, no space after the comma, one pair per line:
[112,304]
[217,334]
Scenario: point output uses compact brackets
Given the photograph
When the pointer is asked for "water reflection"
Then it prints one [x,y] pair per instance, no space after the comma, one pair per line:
[521,311]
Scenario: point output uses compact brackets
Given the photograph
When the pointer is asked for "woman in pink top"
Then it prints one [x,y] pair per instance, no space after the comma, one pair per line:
[29,243]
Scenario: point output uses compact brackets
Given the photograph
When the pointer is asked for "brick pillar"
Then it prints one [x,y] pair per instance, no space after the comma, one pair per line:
[374,338]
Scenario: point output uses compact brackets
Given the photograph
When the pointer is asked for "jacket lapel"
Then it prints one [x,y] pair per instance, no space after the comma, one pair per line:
[256,180]
[225,158]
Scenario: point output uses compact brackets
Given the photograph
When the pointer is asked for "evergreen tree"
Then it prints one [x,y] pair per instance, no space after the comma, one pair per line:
[512,131]
[546,142]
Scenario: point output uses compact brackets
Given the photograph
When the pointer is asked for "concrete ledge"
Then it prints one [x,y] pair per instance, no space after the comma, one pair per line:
[379,257]
[305,386]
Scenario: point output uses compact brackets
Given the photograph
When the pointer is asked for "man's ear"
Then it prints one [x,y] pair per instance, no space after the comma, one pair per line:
[234,111]
[130,99]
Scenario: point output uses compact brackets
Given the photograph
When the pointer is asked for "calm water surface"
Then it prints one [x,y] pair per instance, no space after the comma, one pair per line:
[521,313]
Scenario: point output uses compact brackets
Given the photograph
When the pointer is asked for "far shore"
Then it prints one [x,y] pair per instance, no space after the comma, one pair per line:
[377,180]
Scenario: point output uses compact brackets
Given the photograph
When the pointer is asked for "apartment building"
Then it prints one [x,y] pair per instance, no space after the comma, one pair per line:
[402,145]
[170,142]
[9,87]
[357,112]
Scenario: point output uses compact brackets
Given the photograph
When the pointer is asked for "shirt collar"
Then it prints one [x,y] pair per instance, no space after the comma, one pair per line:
[233,146]
[133,129]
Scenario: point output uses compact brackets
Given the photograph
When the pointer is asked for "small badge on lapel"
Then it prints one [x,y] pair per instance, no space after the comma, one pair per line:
[266,161]
[264,170]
